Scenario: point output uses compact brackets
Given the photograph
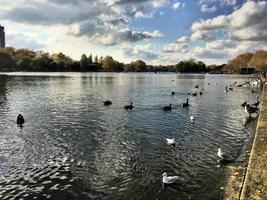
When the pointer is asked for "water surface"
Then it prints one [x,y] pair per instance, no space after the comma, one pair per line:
[72,147]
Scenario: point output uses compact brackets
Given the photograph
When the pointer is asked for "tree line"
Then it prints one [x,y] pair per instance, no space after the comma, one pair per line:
[12,59]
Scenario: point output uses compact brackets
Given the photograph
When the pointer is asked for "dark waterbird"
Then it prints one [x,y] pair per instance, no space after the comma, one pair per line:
[196,86]
[107,102]
[167,108]
[129,107]
[244,104]
[20,119]
[226,89]
[256,104]
[200,93]
[194,94]
[250,109]
[173,93]
[186,104]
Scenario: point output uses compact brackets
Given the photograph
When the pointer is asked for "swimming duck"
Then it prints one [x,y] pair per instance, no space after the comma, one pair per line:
[168,179]
[107,102]
[244,104]
[186,104]
[129,107]
[167,108]
[226,89]
[257,103]
[223,157]
[173,93]
[20,119]
[194,94]
[250,110]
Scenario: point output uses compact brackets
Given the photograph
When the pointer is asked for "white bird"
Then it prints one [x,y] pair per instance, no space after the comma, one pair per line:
[220,153]
[223,157]
[168,179]
[170,141]
[191,118]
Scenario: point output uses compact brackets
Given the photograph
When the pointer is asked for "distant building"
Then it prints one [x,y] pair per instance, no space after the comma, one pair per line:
[2,37]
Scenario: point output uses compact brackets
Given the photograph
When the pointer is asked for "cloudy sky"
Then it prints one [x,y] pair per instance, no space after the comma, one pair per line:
[157,31]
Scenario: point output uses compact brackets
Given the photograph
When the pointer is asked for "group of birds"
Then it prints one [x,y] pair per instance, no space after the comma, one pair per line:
[224,158]
[251,108]
[127,107]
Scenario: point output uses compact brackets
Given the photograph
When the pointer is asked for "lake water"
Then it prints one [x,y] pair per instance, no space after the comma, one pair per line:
[72,147]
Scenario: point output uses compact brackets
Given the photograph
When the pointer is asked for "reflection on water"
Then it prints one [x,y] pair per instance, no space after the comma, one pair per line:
[72,147]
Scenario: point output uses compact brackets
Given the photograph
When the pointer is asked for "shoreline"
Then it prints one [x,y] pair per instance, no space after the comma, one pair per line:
[246,179]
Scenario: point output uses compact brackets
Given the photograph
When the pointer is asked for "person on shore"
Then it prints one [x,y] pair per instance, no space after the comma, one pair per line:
[20,119]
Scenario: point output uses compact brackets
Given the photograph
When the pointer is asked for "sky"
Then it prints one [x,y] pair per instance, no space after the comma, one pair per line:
[156,31]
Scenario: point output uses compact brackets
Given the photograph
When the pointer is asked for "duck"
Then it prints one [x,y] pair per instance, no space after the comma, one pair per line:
[173,93]
[226,89]
[170,141]
[107,102]
[168,179]
[244,104]
[191,118]
[257,103]
[167,108]
[129,107]
[250,109]
[196,86]
[223,157]
[200,93]
[186,104]
[20,119]
[194,94]
[230,88]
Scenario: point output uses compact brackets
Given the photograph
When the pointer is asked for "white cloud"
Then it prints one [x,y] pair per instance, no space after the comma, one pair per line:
[105,21]
[140,51]
[247,23]
[206,8]
[183,39]
[228,2]
[180,46]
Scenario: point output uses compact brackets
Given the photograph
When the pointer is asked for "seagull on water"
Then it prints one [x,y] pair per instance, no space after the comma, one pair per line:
[191,118]
[168,179]
[223,157]
[170,141]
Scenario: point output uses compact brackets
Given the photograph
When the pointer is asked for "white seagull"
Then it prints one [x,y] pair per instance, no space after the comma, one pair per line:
[168,179]
[220,154]
[223,157]
[170,141]
[191,118]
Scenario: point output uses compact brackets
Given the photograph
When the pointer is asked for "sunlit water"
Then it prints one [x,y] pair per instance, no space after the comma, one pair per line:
[73,147]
